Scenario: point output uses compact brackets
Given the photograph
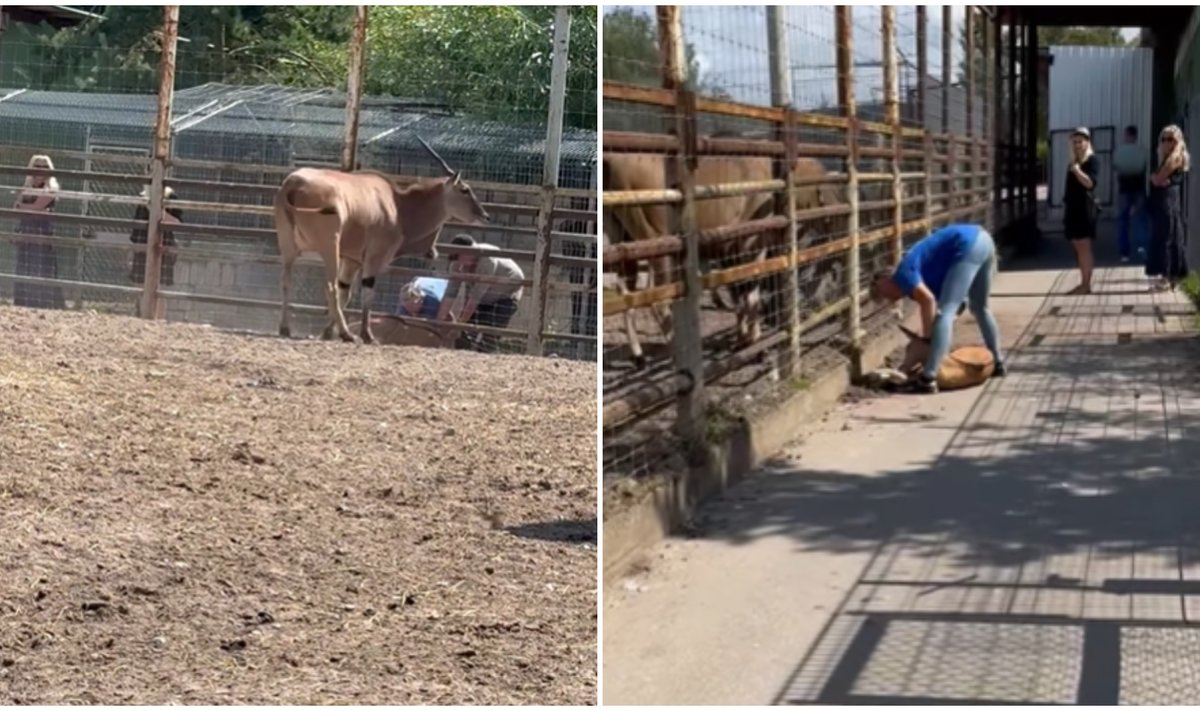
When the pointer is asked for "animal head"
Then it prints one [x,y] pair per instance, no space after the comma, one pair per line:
[915,353]
[461,203]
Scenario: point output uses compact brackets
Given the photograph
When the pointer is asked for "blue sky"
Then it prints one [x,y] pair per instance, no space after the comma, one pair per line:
[730,45]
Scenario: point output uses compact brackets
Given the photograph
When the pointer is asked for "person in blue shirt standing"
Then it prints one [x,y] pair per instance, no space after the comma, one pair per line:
[422,297]
[949,266]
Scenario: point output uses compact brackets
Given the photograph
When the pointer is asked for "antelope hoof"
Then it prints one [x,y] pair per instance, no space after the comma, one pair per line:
[348,337]
[639,362]
[368,337]
[285,331]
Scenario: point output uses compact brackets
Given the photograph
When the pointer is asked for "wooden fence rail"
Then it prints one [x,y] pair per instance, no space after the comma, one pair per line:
[962,166]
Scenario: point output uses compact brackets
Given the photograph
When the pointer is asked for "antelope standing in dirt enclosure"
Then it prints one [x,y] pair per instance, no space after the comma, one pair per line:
[362,221]
[632,171]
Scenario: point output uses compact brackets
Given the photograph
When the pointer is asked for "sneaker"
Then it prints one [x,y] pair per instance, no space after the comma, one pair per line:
[923,384]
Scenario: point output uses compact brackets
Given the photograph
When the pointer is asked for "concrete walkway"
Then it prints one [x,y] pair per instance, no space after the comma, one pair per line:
[1036,540]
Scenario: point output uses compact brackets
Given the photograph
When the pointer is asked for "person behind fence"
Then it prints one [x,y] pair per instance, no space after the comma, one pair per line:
[1129,161]
[486,304]
[139,235]
[945,268]
[422,297]
[1080,211]
[1166,261]
[37,258]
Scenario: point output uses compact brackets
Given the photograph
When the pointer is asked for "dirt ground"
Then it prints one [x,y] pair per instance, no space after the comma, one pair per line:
[191,516]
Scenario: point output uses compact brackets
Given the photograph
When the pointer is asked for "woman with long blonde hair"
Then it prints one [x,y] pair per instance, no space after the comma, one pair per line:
[1166,261]
[37,258]
[1080,211]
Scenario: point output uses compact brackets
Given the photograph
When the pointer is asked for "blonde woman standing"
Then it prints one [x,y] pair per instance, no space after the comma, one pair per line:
[1080,211]
[1166,261]
[37,258]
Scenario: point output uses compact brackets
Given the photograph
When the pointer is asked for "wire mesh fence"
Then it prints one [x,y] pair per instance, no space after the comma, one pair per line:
[756,178]
[260,92]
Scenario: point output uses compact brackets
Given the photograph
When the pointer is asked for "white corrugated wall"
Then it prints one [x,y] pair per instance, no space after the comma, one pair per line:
[1097,87]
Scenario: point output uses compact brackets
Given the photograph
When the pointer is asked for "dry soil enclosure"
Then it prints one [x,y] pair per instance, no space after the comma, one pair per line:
[191,516]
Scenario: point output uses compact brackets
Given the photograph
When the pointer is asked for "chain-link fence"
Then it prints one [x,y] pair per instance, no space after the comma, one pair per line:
[756,178]
[502,96]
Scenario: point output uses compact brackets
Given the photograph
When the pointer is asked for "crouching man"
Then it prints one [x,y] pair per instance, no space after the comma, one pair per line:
[945,268]
[487,304]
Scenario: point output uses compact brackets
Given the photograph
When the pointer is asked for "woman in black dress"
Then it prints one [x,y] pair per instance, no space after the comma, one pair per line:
[1166,262]
[1080,210]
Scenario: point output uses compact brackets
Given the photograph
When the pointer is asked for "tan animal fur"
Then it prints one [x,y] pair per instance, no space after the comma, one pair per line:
[632,171]
[362,221]
[963,367]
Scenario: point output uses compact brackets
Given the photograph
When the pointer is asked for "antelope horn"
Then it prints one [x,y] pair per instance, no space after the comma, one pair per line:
[449,170]
[908,332]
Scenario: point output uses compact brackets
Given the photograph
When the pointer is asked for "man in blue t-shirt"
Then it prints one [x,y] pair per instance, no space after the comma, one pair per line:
[953,264]
[422,297]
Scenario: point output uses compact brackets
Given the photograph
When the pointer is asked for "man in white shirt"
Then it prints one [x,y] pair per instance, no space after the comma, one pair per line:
[487,304]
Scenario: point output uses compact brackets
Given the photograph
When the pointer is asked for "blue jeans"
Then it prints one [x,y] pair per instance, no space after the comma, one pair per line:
[1132,206]
[969,279]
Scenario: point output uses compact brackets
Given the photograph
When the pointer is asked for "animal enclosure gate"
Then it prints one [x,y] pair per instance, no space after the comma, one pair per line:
[775,160]
[214,152]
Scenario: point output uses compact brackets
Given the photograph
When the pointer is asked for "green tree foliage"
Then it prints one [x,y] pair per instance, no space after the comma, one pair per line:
[486,61]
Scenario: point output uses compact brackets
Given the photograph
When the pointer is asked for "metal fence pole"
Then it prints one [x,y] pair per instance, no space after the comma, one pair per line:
[848,107]
[891,93]
[1031,96]
[971,133]
[687,343]
[998,149]
[354,82]
[923,107]
[781,96]
[950,167]
[148,306]
[545,218]
[1010,164]
[989,149]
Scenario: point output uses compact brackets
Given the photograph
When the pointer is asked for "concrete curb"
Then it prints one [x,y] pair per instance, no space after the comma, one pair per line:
[667,505]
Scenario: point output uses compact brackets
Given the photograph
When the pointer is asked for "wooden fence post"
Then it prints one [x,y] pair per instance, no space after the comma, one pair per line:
[534,344]
[687,342]
[148,306]
[354,81]
[785,203]
[848,107]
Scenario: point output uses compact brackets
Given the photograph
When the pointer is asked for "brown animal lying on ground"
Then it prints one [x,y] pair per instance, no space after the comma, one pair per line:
[964,367]
[361,221]
[399,331]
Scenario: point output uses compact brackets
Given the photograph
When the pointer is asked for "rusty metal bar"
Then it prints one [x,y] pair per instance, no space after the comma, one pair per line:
[923,103]
[988,106]
[848,108]
[1031,97]
[354,82]
[1010,166]
[545,218]
[969,29]
[687,340]
[149,304]
[947,60]
[785,203]
[891,92]
[615,304]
